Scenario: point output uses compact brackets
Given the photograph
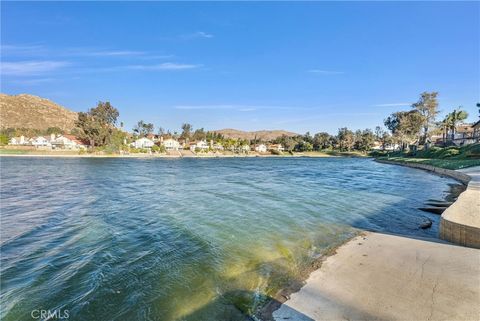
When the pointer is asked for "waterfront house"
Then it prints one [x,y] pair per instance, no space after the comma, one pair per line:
[389,147]
[152,137]
[218,147]
[276,147]
[143,143]
[261,148]
[18,141]
[170,144]
[41,141]
[200,145]
[377,145]
[244,148]
[68,142]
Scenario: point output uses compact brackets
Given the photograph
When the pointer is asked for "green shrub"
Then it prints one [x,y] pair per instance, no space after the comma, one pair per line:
[450,152]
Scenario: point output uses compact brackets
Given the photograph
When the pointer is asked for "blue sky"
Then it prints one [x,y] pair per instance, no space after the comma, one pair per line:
[311,66]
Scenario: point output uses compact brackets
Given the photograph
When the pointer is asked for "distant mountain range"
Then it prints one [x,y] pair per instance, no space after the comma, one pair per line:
[264,135]
[33,112]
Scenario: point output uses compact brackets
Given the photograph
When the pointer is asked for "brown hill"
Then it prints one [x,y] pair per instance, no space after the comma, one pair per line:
[265,135]
[28,111]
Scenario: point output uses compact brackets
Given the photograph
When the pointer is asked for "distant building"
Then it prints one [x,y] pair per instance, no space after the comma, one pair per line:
[476,131]
[244,148]
[152,137]
[464,135]
[202,145]
[217,146]
[261,148]
[276,147]
[143,143]
[18,141]
[68,142]
[171,144]
[390,147]
[41,141]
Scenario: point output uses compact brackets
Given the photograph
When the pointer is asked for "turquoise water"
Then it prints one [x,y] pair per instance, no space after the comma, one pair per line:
[186,239]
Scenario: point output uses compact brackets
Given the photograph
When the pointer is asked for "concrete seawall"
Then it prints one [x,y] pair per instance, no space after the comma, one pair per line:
[460,223]
[386,277]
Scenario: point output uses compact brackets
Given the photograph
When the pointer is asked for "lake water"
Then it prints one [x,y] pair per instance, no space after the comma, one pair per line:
[186,239]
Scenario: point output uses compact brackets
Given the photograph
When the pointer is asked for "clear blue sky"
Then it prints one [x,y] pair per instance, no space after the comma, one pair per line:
[298,66]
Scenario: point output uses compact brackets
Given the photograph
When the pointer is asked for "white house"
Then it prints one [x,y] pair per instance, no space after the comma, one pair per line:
[276,147]
[171,144]
[18,141]
[202,145]
[244,148]
[41,141]
[217,146]
[261,148]
[68,142]
[389,147]
[143,143]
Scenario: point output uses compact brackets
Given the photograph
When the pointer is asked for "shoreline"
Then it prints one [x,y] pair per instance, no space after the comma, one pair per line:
[285,309]
[265,312]
[455,174]
[175,156]
[424,280]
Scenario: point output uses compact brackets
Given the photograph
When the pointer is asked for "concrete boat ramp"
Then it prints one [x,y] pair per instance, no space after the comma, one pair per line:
[386,277]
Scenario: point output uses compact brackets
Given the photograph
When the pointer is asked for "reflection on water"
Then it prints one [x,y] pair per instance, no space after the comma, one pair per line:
[193,239]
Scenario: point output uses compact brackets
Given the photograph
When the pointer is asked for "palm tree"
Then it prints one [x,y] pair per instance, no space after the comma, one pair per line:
[444,125]
[455,118]
[186,131]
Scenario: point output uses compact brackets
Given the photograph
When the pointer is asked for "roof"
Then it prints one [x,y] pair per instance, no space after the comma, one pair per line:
[464,128]
[75,139]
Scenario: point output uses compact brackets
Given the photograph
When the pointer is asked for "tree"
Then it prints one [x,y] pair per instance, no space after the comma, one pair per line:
[186,131]
[199,134]
[98,124]
[345,139]
[105,113]
[289,144]
[54,130]
[3,139]
[405,126]
[321,141]
[427,107]
[304,146]
[443,128]
[142,129]
[381,136]
[364,140]
[455,118]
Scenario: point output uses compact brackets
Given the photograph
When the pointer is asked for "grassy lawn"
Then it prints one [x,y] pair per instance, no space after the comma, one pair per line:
[13,151]
[7,151]
[450,157]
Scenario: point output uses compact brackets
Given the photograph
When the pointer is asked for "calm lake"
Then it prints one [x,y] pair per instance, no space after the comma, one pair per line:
[187,239]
